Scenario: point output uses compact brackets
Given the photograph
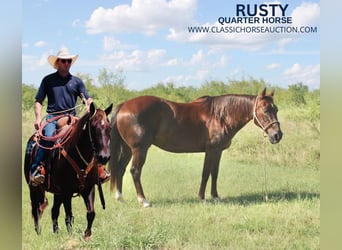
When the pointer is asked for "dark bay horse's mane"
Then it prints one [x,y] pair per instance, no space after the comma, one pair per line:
[229,109]
[77,130]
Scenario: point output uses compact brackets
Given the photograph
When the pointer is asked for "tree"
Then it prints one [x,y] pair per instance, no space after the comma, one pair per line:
[297,93]
[112,88]
[27,99]
[111,78]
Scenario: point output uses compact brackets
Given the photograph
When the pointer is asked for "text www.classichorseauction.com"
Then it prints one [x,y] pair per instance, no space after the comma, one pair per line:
[257,19]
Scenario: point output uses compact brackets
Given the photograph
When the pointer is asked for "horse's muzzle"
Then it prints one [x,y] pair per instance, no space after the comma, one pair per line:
[102,159]
[275,136]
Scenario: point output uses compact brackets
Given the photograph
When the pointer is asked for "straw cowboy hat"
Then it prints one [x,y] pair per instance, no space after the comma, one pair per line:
[63,53]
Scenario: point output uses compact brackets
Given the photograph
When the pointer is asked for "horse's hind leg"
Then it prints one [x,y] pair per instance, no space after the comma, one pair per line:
[57,201]
[120,156]
[38,204]
[139,157]
[36,217]
[123,162]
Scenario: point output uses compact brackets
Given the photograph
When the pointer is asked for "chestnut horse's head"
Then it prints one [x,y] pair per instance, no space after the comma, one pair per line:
[99,131]
[265,116]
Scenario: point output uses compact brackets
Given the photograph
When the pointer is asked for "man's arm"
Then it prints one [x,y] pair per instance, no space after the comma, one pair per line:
[87,102]
[38,114]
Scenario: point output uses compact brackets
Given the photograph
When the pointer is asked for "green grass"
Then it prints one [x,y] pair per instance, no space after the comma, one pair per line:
[178,220]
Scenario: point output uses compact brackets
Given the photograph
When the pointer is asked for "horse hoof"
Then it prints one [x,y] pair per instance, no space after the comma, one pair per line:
[38,230]
[87,236]
[145,203]
[217,199]
[119,197]
[69,229]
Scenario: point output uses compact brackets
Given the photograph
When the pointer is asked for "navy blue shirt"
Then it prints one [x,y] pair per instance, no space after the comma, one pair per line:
[62,92]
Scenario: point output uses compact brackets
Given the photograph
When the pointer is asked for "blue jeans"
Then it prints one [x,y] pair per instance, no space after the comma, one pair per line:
[49,131]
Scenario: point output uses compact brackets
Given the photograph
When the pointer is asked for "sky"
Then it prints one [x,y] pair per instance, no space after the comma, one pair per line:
[148,41]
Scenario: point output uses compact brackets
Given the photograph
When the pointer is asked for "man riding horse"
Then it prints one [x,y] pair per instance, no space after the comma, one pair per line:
[61,89]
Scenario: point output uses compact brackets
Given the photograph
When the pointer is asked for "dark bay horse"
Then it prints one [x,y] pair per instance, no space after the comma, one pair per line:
[73,168]
[207,124]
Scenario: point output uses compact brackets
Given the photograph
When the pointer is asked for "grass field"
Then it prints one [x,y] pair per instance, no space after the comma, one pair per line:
[178,220]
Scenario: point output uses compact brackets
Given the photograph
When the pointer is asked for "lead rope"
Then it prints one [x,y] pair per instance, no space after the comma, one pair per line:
[265,172]
[264,128]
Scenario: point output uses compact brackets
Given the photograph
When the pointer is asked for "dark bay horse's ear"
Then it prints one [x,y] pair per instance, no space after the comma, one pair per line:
[272,93]
[263,93]
[109,109]
[92,109]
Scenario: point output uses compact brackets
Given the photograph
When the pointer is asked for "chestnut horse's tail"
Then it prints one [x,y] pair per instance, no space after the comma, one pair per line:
[120,153]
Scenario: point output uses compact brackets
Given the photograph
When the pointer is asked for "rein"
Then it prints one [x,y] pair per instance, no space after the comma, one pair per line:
[264,128]
[91,141]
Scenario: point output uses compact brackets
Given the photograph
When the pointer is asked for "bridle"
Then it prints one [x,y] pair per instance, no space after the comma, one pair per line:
[255,118]
[90,139]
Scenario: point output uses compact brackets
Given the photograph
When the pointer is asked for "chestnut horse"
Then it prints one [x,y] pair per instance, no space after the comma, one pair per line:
[207,124]
[72,168]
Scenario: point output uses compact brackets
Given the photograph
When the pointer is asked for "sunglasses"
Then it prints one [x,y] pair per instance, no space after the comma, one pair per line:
[65,60]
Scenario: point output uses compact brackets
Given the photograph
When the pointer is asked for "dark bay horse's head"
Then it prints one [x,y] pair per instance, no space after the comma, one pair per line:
[265,116]
[99,131]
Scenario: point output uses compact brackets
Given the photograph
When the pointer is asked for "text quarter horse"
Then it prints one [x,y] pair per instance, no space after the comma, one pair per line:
[73,168]
[207,124]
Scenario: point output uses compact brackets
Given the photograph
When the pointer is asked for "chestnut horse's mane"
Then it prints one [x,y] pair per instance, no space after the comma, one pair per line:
[229,109]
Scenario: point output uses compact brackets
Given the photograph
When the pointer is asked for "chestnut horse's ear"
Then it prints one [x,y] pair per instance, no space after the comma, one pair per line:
[263,93]
[109,109]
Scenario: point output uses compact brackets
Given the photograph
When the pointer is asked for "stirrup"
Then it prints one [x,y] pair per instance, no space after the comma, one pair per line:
[106,178]
[37,180]
[37,176]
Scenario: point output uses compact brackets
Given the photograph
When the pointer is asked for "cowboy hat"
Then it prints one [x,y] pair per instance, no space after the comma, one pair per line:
[63,53]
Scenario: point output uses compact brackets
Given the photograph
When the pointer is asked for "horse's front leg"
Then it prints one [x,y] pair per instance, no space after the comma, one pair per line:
[214,174]
[69,218]
[210,166]
[57,201]
[139,157]
[88,198]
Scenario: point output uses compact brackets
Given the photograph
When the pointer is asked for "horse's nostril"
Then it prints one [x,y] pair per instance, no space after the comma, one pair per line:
[102,159]
[278,136]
